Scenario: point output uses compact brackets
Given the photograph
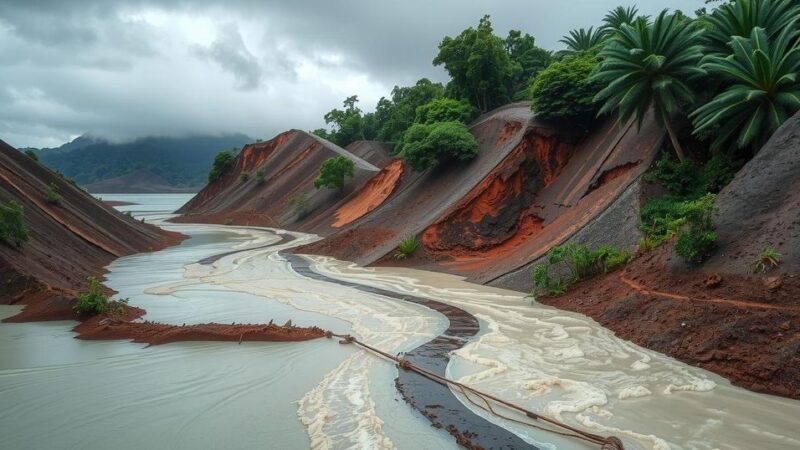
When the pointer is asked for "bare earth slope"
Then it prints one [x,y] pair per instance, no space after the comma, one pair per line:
[531,187]
[721,315]
[68,242]
[287,198]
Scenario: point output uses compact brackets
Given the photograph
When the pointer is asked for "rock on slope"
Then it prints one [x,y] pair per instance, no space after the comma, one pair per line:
[290,163]
[68,242]
[721,315]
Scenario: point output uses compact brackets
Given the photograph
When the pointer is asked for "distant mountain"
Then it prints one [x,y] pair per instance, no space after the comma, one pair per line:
[140,181]
[180,164]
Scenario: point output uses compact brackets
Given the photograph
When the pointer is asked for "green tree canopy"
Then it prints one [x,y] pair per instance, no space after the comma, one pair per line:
[763,92]
[346,124]
[333,171]
[527,61]
[619,16]
[394,116]
[426,146]
[565,90]
[478,64]
[444,110]
[648,65]
[739,18]
[221,163]
[13,230]
[582,40]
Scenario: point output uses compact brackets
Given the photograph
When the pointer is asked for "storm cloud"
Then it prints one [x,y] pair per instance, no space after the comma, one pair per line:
[125,69]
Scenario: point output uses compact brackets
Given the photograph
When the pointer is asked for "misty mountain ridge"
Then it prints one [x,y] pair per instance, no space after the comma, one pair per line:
[181,162]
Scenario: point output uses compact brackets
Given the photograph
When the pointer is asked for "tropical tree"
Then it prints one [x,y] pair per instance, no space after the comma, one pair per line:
[619,16]
[565,90]
[222,161]
[426,146]
[764,88]
[647,65]
[478,64]
[739,18]
[346,124]
[394,115]
[582,40]
[444,110]
[333,171]
[527,61]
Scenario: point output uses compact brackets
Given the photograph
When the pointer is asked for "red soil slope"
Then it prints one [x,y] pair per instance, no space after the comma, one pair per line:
[372,195]
[290,163]
[721,315]
[68,242]
[530,188]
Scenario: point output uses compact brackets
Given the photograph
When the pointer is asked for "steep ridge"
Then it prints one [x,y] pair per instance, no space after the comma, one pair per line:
[721,315]
[287,197]
[68,241]
[531,187]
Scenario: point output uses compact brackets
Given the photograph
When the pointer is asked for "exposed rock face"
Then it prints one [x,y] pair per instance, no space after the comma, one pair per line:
[68,242]
[761,207]
[287,197]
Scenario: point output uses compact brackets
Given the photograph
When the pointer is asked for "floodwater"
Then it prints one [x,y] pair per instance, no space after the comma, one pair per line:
[59,392]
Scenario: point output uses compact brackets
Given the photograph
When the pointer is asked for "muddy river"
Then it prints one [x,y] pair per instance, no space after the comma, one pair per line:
[60,392]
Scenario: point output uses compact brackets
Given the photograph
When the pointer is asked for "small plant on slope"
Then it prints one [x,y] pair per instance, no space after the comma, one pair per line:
[244,176]
[333,172]
[94,302]
[52,196]
[13,230]
[581,261]
[407,247]
[698,237]
[769,258]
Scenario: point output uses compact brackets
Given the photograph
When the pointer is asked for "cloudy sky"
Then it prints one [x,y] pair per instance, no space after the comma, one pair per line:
[124,69]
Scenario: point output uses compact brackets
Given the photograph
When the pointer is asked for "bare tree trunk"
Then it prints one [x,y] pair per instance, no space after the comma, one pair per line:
[675,143]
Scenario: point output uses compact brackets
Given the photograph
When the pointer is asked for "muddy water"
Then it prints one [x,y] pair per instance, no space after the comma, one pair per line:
[58,392]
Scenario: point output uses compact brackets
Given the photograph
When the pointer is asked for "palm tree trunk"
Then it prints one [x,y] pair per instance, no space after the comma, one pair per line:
[675,143]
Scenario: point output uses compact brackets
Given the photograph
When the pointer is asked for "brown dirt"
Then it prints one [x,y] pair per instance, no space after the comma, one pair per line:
[372,195]
[68,242]
[123,327]
[738,329]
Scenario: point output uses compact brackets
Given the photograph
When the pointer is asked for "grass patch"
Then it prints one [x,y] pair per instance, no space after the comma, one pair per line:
[52,196]
[768,259]
[567,264]
[407,247]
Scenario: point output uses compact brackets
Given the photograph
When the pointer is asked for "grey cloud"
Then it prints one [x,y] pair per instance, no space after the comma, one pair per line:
[230,52]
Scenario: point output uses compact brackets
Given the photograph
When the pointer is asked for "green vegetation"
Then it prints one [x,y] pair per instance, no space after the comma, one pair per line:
[527,60]
[31,154]
[698,237]
[581,40]
[333,171]
[687,181]
[647,66]
[407,247]
[769,258]
[13,230]
[222,162]
[300,205]
[52,196]
[739,19]
[260,176]
[244,176]
[565,90]
[347,125]
[94,302]
[618,17]
[426,146]
[394,116]
[443,110]
[763,89]
[580,262]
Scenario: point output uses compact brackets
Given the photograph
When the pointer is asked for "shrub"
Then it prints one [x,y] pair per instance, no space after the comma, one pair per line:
[94,302]
[260,176]
[333,171]
[698,237]
[32,155]
[407,247]
[444,110]
[717,173]
[244,176]
[769,258]
[581,261]
[52,196]
[222,162]
[680,178]
[563,91]
[300,206]
[13,230]
[227,221]
[425,146]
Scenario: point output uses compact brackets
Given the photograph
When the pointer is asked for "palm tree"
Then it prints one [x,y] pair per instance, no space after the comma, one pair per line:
[619,16]
[740,17]
[764,88]
[581,40]
[647,66]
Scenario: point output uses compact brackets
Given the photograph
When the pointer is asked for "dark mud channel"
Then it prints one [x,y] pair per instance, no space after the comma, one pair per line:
[433,400]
